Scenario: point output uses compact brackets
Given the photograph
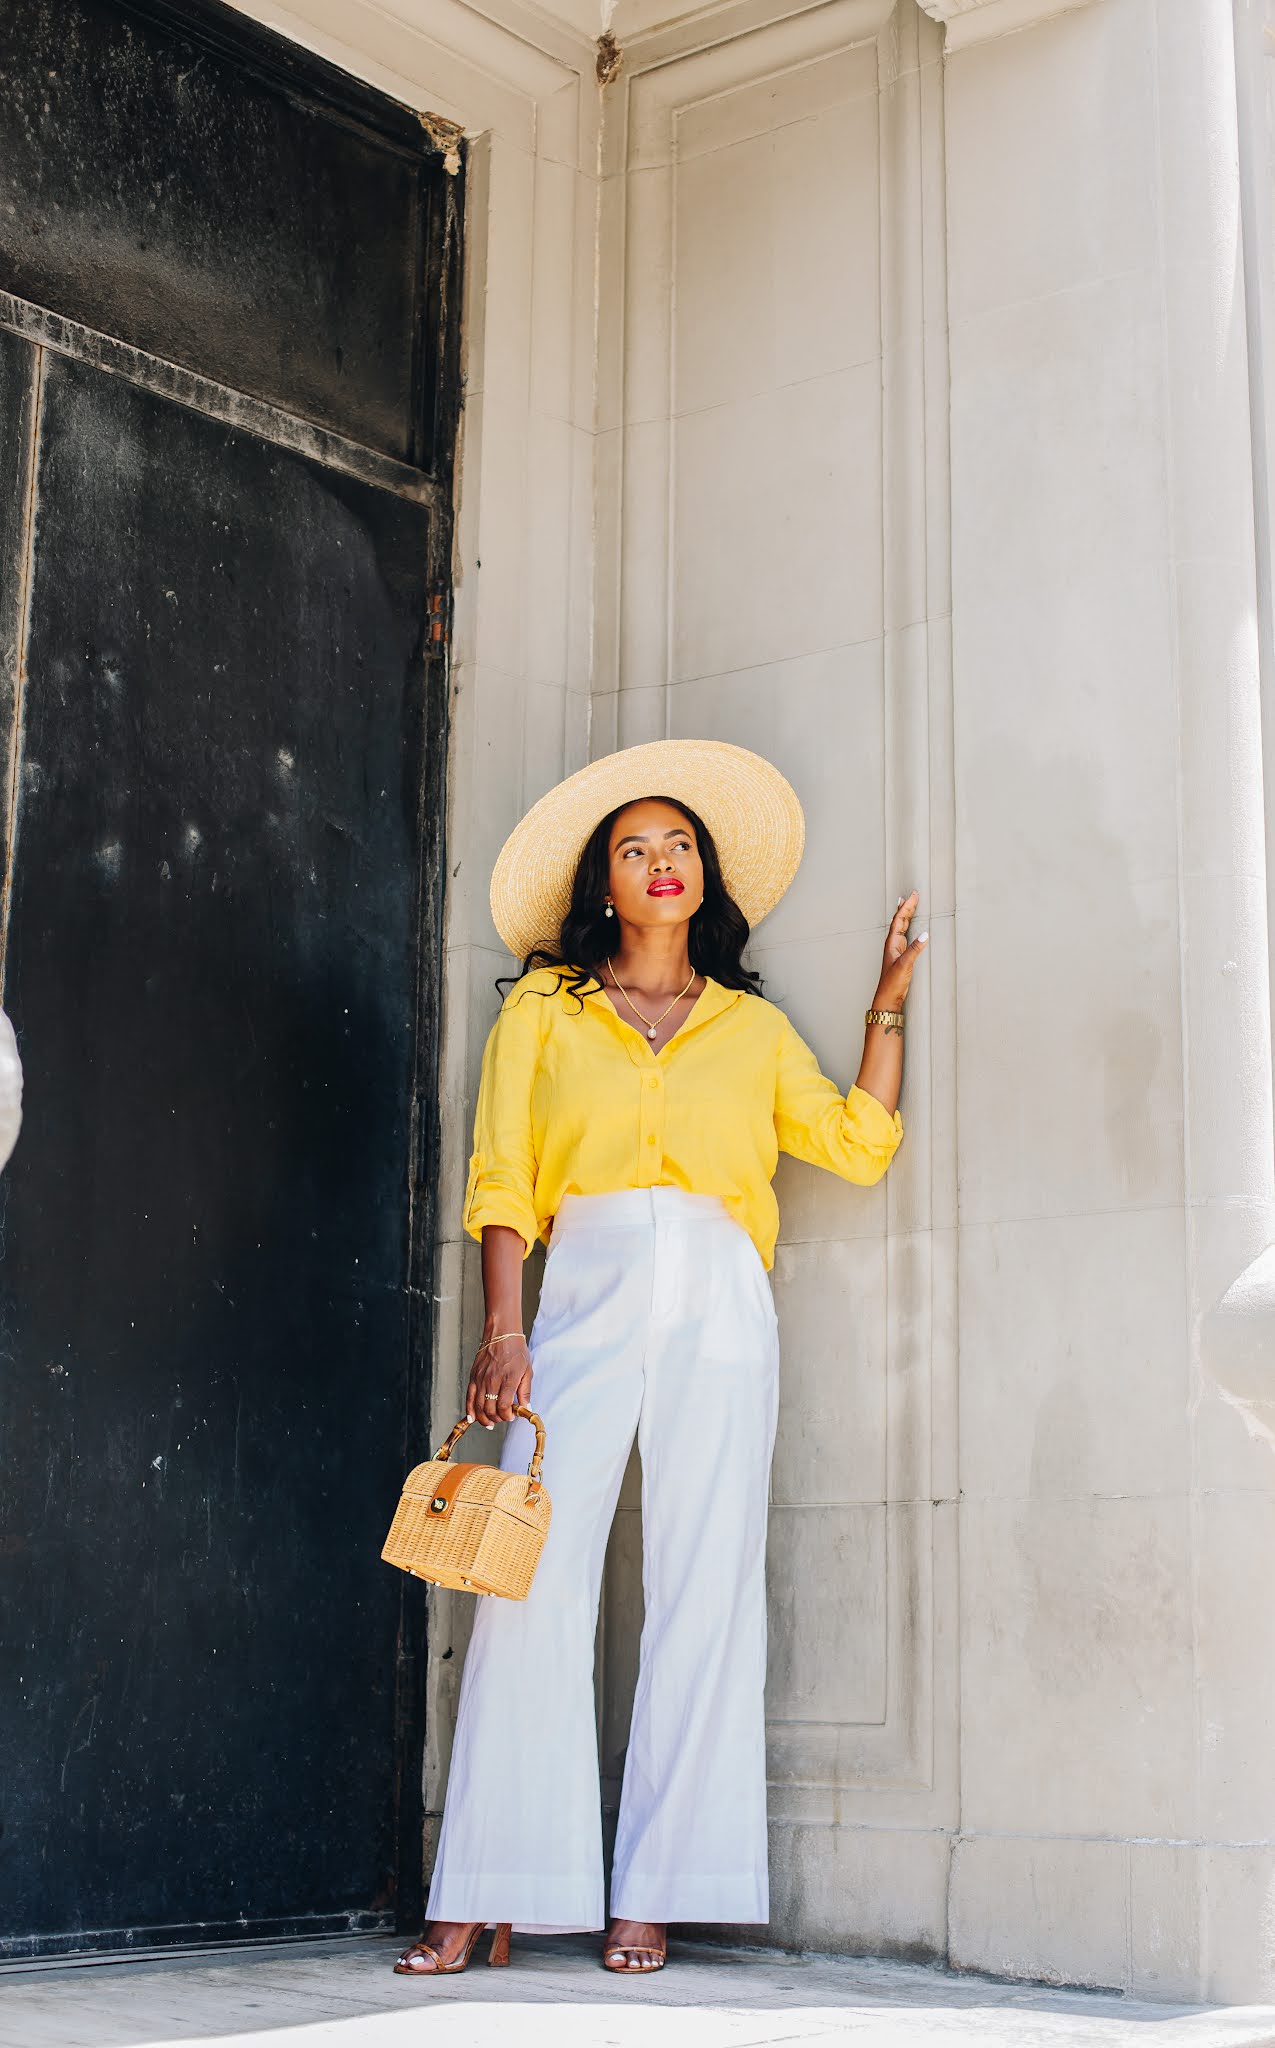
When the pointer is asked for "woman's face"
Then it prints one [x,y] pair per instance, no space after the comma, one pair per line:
[656,874]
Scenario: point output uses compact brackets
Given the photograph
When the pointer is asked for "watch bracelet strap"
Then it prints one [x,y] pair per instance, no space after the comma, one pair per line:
[883,1016]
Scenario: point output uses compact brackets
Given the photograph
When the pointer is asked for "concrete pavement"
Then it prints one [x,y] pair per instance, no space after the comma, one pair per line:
[343,1995]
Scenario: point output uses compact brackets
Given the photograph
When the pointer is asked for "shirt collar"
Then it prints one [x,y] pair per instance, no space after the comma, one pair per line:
[711,1002]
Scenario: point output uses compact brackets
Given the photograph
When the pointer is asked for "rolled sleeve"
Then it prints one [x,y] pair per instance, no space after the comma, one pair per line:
[502,1168]
[853,1136]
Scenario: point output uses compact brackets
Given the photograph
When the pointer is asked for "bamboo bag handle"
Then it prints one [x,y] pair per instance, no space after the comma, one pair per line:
[537,1456]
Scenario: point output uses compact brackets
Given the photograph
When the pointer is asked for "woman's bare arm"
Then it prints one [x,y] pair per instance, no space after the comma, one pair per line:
[881,1069]
[501,1368]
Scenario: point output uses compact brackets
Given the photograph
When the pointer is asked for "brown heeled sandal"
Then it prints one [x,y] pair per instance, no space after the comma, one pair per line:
[497,1955]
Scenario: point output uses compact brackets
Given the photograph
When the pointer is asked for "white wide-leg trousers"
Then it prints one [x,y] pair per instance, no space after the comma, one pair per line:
[655,1316]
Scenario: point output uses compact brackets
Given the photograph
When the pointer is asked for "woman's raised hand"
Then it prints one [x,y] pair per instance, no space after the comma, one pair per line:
[499,1379]
[899,958]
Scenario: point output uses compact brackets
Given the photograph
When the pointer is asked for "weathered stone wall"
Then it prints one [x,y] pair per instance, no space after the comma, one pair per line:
[1021,1641]
[773,485]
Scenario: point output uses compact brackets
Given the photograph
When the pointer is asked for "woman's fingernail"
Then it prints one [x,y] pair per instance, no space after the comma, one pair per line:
[924,937]
[897,905]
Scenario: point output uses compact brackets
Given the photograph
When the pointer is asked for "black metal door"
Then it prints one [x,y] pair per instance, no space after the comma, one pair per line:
[226,399]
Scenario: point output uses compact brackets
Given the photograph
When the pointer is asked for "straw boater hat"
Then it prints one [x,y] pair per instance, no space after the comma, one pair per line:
[749,807]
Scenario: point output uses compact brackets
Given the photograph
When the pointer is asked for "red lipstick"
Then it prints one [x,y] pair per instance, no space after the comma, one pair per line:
[668,886]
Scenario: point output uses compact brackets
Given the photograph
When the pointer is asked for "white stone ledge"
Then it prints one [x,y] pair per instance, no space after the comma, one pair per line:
[976,21]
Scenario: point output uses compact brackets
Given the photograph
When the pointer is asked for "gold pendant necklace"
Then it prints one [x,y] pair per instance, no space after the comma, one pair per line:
[650,1028]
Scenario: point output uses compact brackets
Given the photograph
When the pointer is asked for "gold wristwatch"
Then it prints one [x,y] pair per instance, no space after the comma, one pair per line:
[884,1017]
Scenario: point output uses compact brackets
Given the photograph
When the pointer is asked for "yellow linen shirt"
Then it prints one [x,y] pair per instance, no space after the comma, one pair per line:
[574,1101]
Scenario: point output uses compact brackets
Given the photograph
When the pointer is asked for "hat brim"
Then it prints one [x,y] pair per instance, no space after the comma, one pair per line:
[752,811]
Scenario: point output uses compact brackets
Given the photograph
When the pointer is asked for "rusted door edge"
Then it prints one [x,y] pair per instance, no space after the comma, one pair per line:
[19,596]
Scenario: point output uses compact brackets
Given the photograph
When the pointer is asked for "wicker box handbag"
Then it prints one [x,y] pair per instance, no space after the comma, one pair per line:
[472,1527]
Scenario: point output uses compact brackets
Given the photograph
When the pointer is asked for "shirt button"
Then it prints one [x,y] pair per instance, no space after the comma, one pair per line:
[654,1081]
[650,1137]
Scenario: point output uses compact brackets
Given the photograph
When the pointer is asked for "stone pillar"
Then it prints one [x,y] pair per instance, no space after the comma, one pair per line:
[1114,1055]
[1230,1190]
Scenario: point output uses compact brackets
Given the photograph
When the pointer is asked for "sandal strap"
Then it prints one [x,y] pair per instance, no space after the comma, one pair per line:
[422,1948]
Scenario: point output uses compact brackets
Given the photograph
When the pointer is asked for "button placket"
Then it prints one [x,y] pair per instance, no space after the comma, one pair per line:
[650,1125]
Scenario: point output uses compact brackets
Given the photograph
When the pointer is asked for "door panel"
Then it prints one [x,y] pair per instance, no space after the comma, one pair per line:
[222,724]
[266,224]
[211,967]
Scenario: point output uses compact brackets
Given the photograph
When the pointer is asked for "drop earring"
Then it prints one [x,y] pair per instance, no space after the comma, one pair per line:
[610,911]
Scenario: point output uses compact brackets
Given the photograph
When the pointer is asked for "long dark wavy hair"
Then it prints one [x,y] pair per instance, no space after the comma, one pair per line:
[718,929]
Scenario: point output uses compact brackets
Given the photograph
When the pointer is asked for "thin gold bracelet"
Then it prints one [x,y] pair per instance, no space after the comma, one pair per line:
[504,1334]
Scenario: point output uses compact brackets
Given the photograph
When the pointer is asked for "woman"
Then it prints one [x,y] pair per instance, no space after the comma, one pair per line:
[636,1090]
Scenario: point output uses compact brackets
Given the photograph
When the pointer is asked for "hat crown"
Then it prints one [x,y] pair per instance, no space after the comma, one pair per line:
[748,805]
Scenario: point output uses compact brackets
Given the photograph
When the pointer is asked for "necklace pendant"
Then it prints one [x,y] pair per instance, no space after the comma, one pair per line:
[651,1032]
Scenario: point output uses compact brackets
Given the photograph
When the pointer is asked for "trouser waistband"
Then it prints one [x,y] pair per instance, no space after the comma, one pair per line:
[628,1208]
